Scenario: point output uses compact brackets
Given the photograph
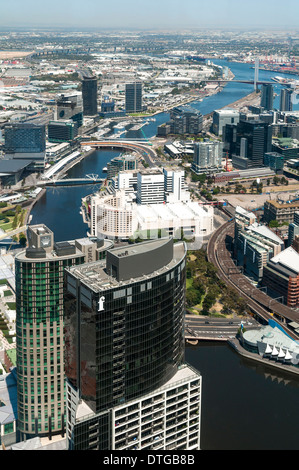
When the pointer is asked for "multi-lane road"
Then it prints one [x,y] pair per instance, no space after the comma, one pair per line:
[212,328]
[258,302]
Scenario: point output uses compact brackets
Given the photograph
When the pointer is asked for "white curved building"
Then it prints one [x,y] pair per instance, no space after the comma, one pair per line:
[117,216]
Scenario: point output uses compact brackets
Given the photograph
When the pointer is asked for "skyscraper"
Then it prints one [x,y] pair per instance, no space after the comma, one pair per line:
[127,384]
[286,99]
[254,139]
[39,327]
[267,97]
[133,97]
[90,96]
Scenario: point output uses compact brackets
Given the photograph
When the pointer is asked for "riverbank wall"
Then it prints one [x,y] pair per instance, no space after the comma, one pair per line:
[238,348]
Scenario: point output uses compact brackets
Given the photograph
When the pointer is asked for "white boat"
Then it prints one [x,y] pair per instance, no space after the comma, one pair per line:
[104,170]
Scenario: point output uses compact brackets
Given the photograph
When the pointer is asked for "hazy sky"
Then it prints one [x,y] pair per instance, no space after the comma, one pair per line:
[150,14]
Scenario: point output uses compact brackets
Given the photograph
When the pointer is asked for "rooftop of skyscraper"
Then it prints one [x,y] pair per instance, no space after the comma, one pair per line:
[98,276]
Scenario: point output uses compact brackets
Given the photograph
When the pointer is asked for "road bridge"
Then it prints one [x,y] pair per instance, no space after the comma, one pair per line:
[71,181]
[143,149]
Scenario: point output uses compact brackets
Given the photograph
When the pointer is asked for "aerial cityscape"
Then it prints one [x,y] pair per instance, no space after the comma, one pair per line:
[149,228]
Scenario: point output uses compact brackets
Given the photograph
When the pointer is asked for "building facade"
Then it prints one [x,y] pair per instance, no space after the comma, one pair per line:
[62,131]
[127,384]
[90,96]
[121,163]
[267,97]
[222,117]
[281,276]
[207,157]
[286,99]
[70,106]
[39,327]
[253,140]
[281,212]
[26,141]
[133,98]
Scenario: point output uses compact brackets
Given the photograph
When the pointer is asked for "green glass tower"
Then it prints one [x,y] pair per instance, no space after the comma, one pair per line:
[39,326]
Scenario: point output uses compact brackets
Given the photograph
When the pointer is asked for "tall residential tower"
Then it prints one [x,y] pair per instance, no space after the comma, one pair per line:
[128,386]
[39,327]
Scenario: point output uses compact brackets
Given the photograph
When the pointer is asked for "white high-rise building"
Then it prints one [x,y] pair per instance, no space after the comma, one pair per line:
[221,117]
[174,186]
[150,187]
[207,156]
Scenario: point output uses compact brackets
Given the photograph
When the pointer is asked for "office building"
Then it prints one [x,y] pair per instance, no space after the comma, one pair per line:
[39,327]
[286,99]
[274,160]
[70,106]
[185,120]
[90,96]
[256,245]
[175,187]
[281,276]
[253,140]
[150,187]
[293,229]
[267,97]
[62,131]
[222,117]
[133,99]
[24,141]
[128,387]
[107,105]
[286,146]
[243,219]
[126,181]
[229,139]
[207,157]
[295,243]
[280,211]
[126,162]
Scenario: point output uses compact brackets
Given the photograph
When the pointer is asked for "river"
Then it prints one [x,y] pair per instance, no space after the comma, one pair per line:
[245,406]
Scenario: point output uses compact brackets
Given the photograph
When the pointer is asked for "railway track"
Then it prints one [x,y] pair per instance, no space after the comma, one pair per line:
[260,304]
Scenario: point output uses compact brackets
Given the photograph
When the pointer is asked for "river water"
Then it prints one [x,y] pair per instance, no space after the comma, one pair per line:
[245,406]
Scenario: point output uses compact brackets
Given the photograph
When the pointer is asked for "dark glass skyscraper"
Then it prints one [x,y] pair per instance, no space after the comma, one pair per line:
[286,99]
[90,96]
[267,97]
[133,97]
[124,360]
[254,139]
